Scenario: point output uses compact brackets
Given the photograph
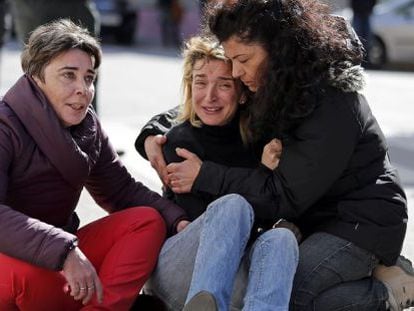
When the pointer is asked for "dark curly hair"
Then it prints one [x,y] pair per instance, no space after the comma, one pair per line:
[303,41]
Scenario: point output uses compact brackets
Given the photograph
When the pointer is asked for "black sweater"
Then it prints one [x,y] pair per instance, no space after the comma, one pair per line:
[220,144]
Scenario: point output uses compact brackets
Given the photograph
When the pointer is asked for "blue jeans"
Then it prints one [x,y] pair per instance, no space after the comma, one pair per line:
[334,274]
[211,254]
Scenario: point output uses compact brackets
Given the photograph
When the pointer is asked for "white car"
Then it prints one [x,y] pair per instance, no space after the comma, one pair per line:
[393,32]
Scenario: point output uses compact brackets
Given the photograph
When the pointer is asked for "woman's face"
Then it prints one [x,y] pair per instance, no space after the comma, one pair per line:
[68,85]
[247,61]
[215,93]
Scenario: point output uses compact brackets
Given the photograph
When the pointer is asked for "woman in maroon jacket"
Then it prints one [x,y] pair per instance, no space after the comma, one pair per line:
[51,146]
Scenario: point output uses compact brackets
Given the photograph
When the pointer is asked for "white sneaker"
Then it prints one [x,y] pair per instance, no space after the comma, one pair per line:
[399,281]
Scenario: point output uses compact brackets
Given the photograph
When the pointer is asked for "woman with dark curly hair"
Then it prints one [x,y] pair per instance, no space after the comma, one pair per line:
[334,177]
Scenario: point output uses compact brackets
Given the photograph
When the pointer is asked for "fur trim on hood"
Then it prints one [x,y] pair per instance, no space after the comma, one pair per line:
[347,77]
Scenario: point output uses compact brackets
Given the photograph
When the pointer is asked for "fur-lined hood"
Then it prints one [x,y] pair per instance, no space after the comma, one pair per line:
[347,77]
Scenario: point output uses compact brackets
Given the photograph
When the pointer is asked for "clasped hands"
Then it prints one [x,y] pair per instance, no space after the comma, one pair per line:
[181,175]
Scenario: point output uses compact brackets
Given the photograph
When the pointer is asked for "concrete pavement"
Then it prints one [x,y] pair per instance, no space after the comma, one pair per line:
[137,82]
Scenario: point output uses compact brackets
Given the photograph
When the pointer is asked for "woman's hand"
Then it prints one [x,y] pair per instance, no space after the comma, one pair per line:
[153,149]
[81,277]
[182,224]
[272,153]
[182,175]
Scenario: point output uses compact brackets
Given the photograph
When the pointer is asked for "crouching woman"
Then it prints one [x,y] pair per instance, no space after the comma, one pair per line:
[51,146]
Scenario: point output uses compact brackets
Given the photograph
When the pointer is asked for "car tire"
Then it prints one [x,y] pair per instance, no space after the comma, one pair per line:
[377,56]
[125,34]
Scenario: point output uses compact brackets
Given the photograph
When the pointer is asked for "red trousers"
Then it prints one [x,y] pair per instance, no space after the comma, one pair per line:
[123,247]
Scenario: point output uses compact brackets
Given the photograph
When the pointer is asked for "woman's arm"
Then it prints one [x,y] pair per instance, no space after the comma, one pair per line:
[185,177]
[21,236]
[151,139]
[158,125]
[113,188]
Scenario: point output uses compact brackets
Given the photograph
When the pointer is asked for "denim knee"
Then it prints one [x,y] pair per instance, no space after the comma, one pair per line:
[330,270]
[281,238]
[232,208]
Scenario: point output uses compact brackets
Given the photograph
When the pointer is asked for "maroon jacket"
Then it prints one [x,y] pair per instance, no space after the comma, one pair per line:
[43,169]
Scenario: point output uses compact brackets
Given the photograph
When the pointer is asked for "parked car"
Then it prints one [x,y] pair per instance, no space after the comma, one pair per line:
[118,18]
[393,32]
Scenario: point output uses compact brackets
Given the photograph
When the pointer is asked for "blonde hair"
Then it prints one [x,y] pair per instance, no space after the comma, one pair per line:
[196,48]
[206,48]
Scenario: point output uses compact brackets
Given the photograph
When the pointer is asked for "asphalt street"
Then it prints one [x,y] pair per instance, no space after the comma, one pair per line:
[137,82]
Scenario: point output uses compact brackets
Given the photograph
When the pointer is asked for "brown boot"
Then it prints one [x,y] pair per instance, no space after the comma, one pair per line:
[203,301]
[399,281]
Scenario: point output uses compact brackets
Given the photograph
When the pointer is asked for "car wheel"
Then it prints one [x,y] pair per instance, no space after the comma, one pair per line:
[126,32]
[377,55]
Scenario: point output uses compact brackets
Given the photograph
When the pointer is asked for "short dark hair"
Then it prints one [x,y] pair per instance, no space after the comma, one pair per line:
[49,40]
